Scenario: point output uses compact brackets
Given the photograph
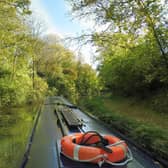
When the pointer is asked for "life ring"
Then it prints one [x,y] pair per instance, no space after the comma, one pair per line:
[92,147]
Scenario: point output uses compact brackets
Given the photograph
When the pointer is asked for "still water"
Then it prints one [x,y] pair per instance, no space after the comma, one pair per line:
[15,128]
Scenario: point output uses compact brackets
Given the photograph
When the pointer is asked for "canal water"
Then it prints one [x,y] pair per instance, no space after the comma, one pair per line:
[15,128]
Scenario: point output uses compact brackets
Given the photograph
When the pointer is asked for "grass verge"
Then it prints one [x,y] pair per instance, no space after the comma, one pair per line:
[151,137]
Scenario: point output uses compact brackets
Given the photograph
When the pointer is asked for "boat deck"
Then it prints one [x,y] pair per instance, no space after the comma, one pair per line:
[45,149]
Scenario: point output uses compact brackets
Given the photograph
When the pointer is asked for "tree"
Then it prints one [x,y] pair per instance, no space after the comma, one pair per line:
[87,82]
[20,6]
[15,51]
[30,64]
[129,16]
[35,28]
[131,67]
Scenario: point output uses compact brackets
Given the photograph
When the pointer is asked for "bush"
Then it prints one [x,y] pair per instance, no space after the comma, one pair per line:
[39,91]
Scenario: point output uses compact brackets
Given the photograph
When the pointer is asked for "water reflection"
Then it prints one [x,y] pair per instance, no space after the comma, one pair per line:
[15,127]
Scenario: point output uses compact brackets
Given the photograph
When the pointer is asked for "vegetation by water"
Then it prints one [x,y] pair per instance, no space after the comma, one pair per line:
[15,129]
[32,65]
[132,46]
[148,130]
[132,55]
[138,110]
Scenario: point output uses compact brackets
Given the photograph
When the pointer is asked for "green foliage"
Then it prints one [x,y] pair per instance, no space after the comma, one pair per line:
[135,17]
[19,6]
[64,75]
[87,82]
[15,52]
[132,48]
[159,101]
[58,68]
[38,92]
[32,66]
[133,67]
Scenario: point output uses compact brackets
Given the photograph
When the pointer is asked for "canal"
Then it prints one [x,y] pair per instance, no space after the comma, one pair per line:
[15,127]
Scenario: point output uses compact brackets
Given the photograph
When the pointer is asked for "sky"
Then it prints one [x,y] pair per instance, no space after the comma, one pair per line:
[58,20]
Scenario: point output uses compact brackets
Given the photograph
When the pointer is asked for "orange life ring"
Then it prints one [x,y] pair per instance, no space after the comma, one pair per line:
[71,147]
[118,147]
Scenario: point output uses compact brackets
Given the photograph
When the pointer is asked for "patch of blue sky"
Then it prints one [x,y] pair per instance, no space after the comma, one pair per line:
[57,15]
